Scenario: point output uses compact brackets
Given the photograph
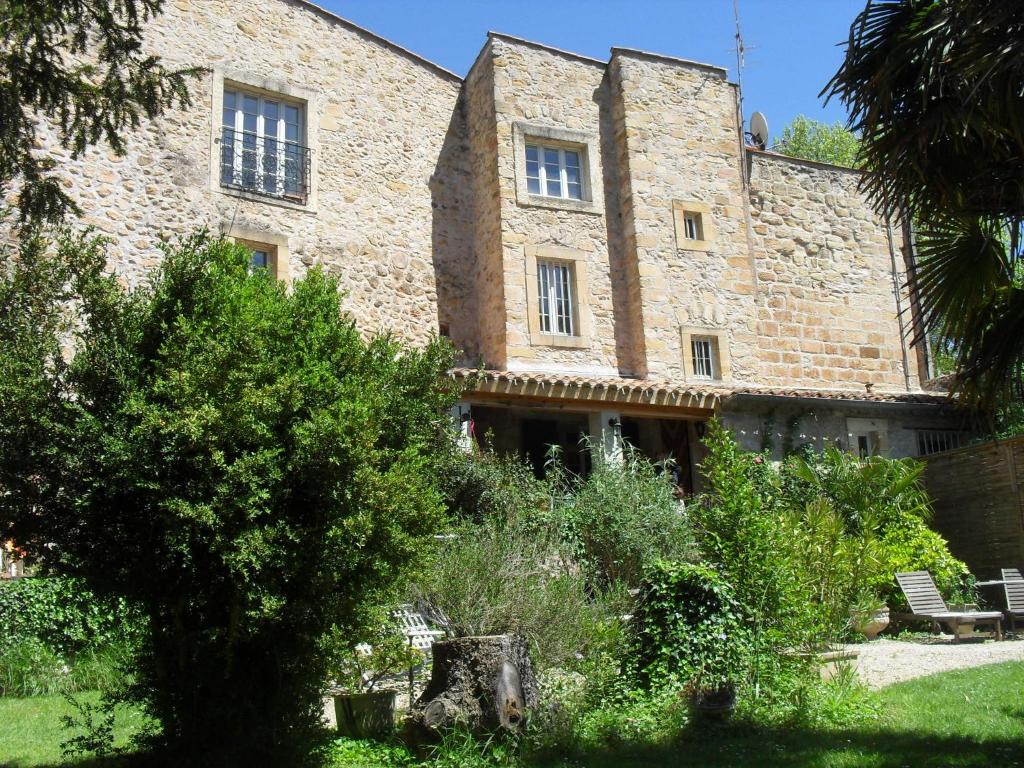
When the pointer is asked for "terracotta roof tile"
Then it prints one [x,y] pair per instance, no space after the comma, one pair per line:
[664,392]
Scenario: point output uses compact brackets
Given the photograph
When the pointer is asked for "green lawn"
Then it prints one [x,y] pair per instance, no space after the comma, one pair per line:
[964,718]
[972,717]
[31,733]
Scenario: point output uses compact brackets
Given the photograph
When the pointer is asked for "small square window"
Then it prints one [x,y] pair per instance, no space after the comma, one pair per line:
[266,256]
[556,308]
[262,146]
[704,351]
[693,224]
[261,259]
[554,172]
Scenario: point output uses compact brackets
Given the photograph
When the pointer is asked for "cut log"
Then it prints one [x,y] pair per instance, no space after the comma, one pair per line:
[481,683]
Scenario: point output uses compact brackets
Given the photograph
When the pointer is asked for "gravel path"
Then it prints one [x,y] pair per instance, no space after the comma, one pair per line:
[884,662]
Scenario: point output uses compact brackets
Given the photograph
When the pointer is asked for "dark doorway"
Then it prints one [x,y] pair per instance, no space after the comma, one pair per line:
[539,435]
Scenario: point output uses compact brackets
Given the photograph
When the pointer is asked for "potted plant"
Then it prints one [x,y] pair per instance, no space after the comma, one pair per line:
[712,690]
[362,709]
[711,698]
[868,615]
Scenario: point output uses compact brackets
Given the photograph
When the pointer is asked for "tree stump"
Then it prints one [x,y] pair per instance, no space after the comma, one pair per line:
[482,683]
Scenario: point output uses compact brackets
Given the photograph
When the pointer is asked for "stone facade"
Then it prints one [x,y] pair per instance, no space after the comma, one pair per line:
[419,203]
[389,212]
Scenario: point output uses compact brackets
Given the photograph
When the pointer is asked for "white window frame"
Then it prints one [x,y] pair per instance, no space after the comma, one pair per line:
[586,144]
[708,362]
[563,170]
[580,325]
[280,138]
[555,281]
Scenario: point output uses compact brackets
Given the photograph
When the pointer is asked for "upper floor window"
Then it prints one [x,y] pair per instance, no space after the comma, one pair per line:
[554,172]
[555,294]
[705,357]
[262,146]
[694,226]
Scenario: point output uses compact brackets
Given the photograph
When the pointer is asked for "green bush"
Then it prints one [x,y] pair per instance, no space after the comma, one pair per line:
[226,452]
[486,485]
[687,628]
[741,529]
[913,546]
[65,615]
[621,518]
[358,753]
[885,510]
[502,576]
[30,667]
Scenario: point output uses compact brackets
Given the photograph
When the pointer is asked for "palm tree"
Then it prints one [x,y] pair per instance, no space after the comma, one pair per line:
[935,88]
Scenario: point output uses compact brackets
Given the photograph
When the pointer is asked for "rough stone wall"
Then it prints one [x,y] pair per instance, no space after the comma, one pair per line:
[487,232]
[827,313]
[678,126]
[383,128]
[544,88]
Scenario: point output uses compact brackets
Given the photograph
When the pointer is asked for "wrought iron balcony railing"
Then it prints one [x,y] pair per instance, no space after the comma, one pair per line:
[264,165]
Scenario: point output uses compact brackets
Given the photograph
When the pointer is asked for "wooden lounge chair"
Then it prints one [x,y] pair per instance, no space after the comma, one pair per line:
[926,604]
[1013,583]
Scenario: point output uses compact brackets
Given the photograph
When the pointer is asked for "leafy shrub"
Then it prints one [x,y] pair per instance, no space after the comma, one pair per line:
[233,456]
[502,576]
[621,518]
[885,509]
[65,615]
[359,753]
[488,485]
[687,627]
[741,529]
[30,667]
[634,717]
[913,546]
[362,659]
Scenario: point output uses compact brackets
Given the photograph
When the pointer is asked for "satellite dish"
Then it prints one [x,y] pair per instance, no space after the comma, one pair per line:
[759,130]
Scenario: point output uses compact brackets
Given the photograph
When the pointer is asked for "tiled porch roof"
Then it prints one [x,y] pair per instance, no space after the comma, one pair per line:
[613,389]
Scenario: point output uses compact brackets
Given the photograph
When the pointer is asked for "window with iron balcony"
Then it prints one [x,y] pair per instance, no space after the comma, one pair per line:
[262,146]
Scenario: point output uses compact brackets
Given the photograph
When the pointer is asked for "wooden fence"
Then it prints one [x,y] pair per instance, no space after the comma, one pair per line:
[979,503]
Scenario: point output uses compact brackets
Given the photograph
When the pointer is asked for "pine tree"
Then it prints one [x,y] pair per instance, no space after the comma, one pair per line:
[76,66]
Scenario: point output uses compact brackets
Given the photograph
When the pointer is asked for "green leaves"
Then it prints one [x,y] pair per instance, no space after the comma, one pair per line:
[934,90]
[43,80]
[231,456]
[823,143]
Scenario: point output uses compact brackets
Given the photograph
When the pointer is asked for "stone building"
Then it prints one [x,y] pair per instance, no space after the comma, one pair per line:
[594,236]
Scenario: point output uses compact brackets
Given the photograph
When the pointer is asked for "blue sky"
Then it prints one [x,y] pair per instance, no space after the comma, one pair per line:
[791,44]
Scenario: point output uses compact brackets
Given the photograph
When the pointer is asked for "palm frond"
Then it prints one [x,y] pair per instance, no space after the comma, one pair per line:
[969,293]
[934,88]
